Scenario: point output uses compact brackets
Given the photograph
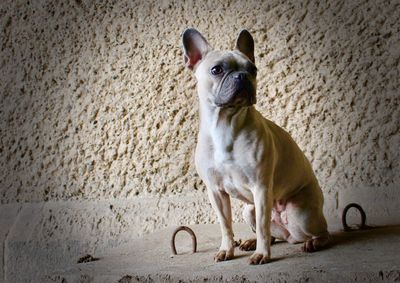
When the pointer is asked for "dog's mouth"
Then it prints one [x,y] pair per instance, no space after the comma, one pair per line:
[235,91]
[240,97]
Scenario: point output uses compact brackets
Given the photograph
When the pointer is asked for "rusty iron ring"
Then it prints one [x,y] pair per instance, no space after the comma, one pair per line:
[190,231]
[362,213]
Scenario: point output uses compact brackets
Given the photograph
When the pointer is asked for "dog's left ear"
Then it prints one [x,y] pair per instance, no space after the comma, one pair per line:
[245,44]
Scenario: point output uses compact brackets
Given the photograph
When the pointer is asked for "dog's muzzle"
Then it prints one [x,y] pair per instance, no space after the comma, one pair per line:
[236,89]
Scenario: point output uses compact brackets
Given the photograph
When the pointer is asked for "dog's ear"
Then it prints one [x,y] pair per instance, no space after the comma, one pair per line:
[195,47]
[245,44]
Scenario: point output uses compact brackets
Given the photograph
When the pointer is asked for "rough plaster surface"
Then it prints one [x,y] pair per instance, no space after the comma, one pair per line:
[97,106]
[98,117]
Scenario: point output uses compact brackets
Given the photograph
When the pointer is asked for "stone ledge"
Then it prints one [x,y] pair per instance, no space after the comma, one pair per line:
[365,256]
[39,237]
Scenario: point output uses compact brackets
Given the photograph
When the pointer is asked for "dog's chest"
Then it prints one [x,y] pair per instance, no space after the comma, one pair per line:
[224,158]
[232,179]
[223,146]
[231,171]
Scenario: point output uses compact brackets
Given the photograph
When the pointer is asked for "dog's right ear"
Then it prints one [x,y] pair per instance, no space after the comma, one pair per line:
[245,44]
[195,47]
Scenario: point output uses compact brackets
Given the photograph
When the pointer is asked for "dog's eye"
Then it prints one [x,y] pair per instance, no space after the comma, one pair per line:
[216,70]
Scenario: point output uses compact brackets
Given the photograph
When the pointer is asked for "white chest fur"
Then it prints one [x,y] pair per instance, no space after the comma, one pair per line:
[233,177]
[223,142]
[221,158]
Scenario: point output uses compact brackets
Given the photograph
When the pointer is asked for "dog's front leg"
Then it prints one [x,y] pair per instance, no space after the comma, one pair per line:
[221,203]
[263,201]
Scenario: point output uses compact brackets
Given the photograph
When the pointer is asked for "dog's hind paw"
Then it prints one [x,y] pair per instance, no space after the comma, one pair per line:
[251,244]
[316,244]
[248,245]
[308,247]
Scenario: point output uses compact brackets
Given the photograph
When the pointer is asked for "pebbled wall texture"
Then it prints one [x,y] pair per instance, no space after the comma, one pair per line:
[96,105]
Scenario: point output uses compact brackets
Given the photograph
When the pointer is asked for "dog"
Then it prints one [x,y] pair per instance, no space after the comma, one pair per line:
[243,155]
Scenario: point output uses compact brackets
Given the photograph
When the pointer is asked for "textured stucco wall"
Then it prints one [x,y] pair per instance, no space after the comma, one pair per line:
[96,103]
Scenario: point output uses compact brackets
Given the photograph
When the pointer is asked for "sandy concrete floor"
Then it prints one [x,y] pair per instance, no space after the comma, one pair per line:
[359,256]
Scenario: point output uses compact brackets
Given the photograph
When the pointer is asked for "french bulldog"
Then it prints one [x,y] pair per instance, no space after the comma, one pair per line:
[243,155]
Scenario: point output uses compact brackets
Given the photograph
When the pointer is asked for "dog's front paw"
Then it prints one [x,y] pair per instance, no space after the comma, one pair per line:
[257,258]
[223,255]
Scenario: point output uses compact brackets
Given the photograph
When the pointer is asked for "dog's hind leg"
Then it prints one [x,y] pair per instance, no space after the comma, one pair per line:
[277,230]
[306,223]
[249,216]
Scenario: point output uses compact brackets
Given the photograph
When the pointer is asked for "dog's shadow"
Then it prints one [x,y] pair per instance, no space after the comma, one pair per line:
[341,239]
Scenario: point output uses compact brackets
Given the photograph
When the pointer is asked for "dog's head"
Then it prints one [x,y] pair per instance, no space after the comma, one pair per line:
[224,78]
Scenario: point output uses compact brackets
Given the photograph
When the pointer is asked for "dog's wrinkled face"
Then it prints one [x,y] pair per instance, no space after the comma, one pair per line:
[228,79]
[224,78]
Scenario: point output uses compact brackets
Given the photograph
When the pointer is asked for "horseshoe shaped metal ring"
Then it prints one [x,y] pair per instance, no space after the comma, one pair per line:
[190,231]
[362,213]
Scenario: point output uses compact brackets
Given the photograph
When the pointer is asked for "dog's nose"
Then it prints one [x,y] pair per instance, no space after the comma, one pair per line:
[239,76]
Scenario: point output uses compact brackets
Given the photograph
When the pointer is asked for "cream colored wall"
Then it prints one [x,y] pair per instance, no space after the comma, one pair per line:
[96,104]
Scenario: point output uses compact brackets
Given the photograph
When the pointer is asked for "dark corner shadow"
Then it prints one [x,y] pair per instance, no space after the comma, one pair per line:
[362,235]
